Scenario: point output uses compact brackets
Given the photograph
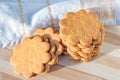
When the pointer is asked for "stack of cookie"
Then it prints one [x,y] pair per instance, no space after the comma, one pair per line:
[82,34]
[36,54]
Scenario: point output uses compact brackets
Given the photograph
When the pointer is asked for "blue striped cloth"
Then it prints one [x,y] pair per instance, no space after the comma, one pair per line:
[34,6]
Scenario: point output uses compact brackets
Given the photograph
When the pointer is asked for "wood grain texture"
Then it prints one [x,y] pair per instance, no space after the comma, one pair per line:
[104,66]
[72,74]
[7,77]
[115,38]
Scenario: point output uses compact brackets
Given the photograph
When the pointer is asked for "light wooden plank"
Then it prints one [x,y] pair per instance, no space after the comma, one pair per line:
[115,53]
[8,77]
[107,60]
[7,68]
[112,38]
[67,74]
[92,68]
[5,54]
[45,77]
[54,74]
[107,48]
[0,77]
[72,74]
[114,29]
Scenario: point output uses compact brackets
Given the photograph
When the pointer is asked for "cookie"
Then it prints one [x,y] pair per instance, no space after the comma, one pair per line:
[47,69]
[52,51]
[82,53]
[81,32]
[30,56]
[54,38]
[80,27]
[75,55]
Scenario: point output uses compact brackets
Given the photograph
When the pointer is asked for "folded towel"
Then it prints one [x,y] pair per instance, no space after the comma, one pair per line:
[10,30]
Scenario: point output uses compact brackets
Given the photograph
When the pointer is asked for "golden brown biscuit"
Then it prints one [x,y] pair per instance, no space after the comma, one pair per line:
[47,69]
[73,60]
[30,56]
[73,54]
[51,51]
[54,40]
[81,32]
[53,56]
[96,51]
[80,27]
[88,50]
[53,37]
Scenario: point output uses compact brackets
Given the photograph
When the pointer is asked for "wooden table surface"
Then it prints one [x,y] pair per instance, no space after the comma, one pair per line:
[105,66]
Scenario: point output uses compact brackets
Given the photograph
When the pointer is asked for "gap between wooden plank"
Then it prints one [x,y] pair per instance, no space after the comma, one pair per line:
[72,74]
[8,77]
[112,38]
[114,29]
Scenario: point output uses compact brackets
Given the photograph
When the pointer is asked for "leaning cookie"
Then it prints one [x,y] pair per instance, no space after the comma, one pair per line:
[82,33]
[54,39]
[30,56]
[52,51]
